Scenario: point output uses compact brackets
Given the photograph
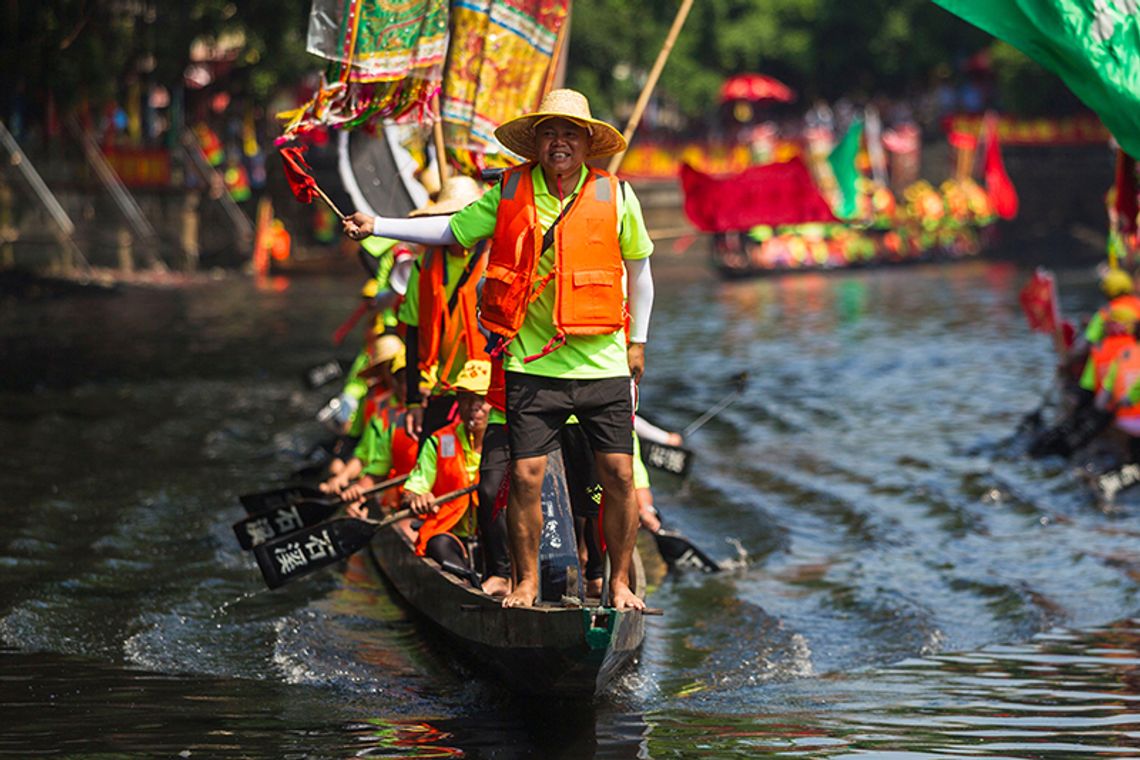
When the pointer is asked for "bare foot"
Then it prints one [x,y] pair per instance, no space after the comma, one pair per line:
[523,595]
[594,588]
[496,586]
[622,598]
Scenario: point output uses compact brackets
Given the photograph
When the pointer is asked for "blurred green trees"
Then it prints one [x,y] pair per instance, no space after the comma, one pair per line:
[88,49]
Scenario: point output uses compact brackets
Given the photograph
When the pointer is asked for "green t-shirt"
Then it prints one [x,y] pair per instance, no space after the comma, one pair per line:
[584,357]
[409,312]
[353,385]
[375,448]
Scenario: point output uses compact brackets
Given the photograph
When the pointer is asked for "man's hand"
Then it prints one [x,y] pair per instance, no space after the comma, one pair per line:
[635,354]
[357,489]
[414,422]
[420,503]
[358,509]
[358,225]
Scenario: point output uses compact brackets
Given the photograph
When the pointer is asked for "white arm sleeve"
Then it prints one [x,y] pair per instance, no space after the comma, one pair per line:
[640,286]
[647,431]
[425,230]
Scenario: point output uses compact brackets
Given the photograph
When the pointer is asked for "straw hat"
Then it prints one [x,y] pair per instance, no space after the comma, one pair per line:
[383,350]
[474,377]
[517,135]
[457,192]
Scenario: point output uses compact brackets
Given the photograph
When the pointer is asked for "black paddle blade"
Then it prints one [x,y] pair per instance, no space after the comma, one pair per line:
[322,374]
[674,459]
[309,550]
[679,552]
[275,523]
[1072,433]
[279,497]
[1107,485]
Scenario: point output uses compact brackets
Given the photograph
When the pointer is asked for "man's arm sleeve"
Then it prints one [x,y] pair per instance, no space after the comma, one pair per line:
[640,285]
[425,230]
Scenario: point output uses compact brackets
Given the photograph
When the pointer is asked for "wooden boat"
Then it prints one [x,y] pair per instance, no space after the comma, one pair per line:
[548,649]
[561,649]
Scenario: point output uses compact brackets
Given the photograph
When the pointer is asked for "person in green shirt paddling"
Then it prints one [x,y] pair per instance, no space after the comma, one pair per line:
[565,239]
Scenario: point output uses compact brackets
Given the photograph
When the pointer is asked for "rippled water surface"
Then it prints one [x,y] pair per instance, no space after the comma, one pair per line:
[913,586]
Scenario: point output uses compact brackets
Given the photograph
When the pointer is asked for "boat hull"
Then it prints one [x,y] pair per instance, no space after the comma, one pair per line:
[543,650]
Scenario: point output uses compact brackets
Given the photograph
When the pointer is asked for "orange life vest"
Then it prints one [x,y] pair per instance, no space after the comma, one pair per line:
[1103,354]
[589,299]
[404,450]
[450,475]
[1127,375]
[441,329]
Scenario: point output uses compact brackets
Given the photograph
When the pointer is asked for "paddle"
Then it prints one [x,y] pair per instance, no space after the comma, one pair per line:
[265,501]
[740,381]
[1071,433]
[672,459]
[309,550]
[322,374]
[274,523]
[1108,484]
[681,553]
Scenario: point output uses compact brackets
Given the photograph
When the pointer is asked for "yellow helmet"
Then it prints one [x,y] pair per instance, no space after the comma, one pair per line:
[1116,282]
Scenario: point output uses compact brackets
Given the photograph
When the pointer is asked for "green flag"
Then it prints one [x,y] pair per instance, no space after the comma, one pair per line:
[842,160]
[1093,45]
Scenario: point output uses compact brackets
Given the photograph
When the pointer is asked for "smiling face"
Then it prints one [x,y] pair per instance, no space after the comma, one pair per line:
[561,147]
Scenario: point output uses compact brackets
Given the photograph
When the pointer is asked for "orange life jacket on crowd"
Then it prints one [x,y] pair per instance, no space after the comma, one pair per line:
[1103,354]
[450,475]
[442,328]
[404,450]
[1127,374]
[589,298]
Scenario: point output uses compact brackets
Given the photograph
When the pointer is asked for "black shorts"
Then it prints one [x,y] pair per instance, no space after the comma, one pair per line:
[538,407]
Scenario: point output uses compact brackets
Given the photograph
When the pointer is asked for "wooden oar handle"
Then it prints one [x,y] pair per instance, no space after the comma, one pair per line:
[385,485]
[405,513]
[394,517]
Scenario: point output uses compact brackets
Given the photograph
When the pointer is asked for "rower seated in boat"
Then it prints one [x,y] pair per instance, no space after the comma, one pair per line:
[385,451]
[379,351]
[449,461]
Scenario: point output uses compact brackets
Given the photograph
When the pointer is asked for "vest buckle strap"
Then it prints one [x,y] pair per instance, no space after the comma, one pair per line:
[555,343]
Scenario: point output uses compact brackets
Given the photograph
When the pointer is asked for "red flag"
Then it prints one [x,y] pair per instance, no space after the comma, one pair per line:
[1039,301]
[297,170]
[999,187]
[773,194]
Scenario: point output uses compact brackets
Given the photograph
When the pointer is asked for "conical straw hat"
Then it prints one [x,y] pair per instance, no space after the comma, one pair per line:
[517,135]
[456,193]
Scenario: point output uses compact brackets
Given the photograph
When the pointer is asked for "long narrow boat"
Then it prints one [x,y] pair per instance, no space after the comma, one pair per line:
[548,649]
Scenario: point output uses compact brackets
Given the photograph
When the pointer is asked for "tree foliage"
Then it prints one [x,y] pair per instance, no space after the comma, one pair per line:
[821,48]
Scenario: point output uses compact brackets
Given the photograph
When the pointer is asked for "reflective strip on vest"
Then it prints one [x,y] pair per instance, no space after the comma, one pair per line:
[511,184]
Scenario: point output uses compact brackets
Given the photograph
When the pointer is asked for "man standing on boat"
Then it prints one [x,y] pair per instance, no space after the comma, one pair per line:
[562,237]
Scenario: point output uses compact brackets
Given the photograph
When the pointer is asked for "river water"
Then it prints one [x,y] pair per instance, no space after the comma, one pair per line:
[913,587]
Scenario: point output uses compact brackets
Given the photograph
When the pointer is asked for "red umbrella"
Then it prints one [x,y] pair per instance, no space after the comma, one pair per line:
[755,88]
